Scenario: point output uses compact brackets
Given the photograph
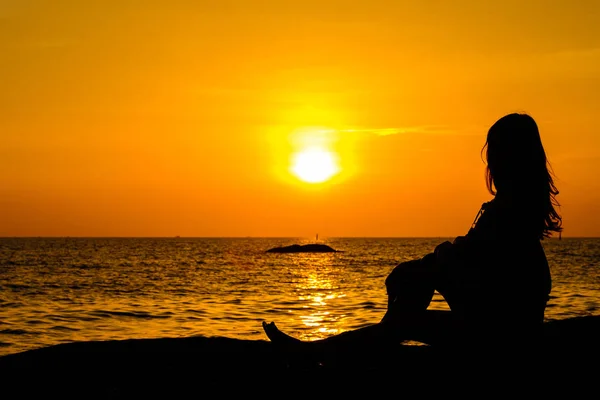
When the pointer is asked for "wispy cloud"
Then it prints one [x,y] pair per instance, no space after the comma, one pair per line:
[428,129]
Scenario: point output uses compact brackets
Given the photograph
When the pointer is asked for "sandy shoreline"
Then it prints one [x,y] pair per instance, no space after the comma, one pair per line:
[140,367]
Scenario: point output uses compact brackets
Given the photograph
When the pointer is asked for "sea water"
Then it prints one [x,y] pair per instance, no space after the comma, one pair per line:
[58,290]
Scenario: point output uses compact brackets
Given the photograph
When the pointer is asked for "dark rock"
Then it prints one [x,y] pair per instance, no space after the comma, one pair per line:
[306,248]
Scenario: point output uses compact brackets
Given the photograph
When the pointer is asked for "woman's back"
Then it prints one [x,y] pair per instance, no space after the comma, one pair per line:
[499,269]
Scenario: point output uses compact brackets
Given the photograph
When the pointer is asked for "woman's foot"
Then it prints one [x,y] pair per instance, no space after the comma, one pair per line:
[278,337]
[298,354]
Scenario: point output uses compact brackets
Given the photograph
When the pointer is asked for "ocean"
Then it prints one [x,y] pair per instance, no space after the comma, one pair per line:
[59,290]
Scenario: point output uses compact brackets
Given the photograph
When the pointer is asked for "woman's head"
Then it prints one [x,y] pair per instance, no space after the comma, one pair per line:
[517,166]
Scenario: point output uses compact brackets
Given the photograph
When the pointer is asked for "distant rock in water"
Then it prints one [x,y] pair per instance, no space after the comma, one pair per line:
[306,248]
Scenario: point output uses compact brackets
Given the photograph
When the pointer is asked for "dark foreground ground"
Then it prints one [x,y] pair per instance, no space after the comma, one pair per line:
[219,367]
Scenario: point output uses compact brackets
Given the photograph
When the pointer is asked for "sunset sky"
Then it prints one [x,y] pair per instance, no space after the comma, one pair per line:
[196,118]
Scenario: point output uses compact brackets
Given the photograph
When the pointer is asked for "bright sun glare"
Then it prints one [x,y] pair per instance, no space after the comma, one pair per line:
[314,165]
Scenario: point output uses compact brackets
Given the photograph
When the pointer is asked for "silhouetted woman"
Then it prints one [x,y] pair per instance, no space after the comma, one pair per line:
[495,279]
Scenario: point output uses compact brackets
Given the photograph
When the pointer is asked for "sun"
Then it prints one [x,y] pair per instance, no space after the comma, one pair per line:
[314,165]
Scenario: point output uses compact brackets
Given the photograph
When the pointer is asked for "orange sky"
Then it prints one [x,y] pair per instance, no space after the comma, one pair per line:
[147,118]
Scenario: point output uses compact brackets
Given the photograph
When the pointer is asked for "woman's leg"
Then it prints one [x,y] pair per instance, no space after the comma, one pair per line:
[410,290]
[343,349]
[434,327]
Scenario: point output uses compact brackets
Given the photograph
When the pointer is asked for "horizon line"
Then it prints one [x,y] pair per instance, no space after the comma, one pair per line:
[248,237]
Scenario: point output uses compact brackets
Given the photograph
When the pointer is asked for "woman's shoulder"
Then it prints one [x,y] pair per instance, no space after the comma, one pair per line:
[494,215]
[504,218]
[485,208]
[500,206]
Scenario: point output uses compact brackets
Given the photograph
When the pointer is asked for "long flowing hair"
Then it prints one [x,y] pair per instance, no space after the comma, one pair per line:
[517,164]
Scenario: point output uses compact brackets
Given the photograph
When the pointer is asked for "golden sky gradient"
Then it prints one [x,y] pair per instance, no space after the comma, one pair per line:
[163,118]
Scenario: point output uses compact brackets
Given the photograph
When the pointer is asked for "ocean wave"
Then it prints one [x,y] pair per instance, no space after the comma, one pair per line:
[130,314]
[15,332]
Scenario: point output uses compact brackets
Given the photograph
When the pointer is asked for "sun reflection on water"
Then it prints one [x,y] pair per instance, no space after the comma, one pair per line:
[317,285]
